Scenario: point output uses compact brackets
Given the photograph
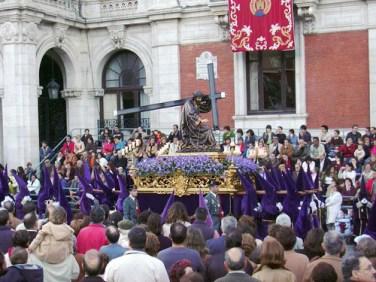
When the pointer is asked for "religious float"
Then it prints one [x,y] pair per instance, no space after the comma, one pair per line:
[191,173]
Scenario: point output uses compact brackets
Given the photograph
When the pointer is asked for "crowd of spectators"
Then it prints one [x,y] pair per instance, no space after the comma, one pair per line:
[91,249]
[142,246]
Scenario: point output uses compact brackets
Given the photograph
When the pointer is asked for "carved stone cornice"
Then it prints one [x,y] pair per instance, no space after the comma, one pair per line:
[59,34]
[1,93]
[117,34]
[19,32]
[96,92]
[71,93]
[307,12]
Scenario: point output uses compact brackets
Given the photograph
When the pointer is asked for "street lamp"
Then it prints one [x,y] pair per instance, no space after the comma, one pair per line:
[53,89]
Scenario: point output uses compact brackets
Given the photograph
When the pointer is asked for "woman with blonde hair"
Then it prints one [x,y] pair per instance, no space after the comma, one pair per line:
[272,263]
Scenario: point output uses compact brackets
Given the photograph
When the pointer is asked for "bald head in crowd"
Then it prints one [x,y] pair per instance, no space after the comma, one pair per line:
[92,263]
[234,259]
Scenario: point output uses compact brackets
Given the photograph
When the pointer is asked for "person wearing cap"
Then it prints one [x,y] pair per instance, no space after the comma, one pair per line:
[214,205]
[130,206]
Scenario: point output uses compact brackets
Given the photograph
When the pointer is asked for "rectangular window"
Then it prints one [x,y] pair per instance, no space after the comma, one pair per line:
[271,82]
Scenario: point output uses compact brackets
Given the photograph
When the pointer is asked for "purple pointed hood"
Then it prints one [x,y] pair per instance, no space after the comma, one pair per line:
[249,199]
[23,192]
[123,192]
[87,173]
[269,200]
[167,206]
[304,223]
[291,200]
[45,192]
[202,204]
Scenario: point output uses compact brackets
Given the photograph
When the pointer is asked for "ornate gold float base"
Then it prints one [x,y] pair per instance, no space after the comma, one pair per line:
[184,185]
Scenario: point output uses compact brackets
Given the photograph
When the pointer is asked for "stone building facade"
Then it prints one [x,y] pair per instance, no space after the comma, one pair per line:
[112,54]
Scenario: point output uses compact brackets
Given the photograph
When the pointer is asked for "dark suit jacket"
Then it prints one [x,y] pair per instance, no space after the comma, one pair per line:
[236,277]
[129,209]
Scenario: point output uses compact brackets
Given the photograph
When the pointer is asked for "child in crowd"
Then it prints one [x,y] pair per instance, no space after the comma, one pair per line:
[54,243]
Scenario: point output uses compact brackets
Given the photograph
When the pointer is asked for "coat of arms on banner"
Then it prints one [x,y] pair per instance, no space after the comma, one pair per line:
[257,25]
[260,8]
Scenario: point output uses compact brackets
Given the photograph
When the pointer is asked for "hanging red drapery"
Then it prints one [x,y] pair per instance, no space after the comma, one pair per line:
[257,25]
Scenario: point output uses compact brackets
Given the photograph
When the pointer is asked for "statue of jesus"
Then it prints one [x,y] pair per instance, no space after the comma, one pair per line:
[196,134]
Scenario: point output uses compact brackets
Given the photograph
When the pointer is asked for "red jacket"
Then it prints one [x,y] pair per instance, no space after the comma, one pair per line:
[347,151]
[91,237]
[107,148]
[67,148]
[369,185]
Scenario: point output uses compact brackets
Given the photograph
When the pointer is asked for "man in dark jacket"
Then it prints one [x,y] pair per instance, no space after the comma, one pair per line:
[6,233]
[20,271]
[130,206]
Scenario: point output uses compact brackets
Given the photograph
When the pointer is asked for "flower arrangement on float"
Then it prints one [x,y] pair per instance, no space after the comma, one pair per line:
[191,174]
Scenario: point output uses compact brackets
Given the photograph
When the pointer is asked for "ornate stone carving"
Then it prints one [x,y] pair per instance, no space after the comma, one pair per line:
[128,5]
[9,32]
[117,34]
[16,32]
[219,9]
[222,21]
[306,11]
[59,34]
[71,93]
[96,92]
[29,32]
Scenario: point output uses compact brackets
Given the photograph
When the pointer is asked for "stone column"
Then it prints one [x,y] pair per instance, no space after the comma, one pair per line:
[166,70]
[20,103]
[82,109]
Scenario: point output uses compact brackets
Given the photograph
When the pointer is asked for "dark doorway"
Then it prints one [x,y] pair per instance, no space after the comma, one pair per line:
[52,112]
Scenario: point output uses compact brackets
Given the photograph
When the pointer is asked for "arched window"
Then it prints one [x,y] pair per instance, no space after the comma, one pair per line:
[123,81]
[125,70]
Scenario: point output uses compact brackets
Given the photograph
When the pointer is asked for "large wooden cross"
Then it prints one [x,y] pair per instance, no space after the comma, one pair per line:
[214,95]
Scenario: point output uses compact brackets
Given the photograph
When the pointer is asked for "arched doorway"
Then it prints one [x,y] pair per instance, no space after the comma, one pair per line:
[123,81]
[52,110]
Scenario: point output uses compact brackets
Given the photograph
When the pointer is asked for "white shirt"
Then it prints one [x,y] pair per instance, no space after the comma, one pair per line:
[136,266]
[166,227]
[33,186]
[333,206]
[348,174]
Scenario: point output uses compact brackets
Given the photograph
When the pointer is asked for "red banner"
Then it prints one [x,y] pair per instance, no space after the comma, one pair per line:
[261,25]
